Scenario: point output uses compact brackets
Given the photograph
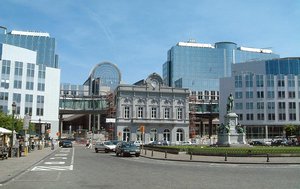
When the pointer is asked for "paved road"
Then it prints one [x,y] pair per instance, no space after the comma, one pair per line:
[83,168]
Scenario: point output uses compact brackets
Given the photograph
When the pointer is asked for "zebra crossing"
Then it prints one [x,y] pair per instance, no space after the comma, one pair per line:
[58,162]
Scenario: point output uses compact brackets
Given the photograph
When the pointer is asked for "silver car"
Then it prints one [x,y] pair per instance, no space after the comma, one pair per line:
[106,146]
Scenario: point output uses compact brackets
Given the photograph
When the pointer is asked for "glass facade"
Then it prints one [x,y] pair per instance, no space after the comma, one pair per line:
[199,68]
[42,44]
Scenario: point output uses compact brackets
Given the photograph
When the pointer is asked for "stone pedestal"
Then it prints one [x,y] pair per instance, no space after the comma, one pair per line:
[229,133]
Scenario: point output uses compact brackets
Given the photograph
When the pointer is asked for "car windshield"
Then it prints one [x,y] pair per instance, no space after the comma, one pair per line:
[108,143]
[67,141]
[129,144]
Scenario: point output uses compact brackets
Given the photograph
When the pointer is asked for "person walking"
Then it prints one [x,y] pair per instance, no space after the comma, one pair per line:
[52,144]
[90,143]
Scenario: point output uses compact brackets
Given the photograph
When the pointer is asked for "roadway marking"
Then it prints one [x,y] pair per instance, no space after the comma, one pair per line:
[55,163]
[58,158]
[61,154]
[53,168]
[65,150]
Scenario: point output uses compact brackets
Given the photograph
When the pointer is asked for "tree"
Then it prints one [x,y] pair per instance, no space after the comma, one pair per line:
[290,130]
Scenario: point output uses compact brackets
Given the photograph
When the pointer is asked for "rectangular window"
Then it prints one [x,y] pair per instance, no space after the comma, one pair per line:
[271,117]
[281,94]
[249,116]
[5,67]
[28,110]
[292,116]
[40,99]
[17,84]
[30,70]
[3,96]
[281,116]
[18,68]
[238,81]
[240,116]
[41,86]
[140,112]
[292,94]
[29,85]
[260,105]
[28,98]
[126,112]
[271,105]
[239,106]
[249,94]
[167,113]
[260,94]
[249,80]
[179,113]
[42,71]
[259,81]
[153,112]
[281,105]
[270,81]
[239,95]
[5,83]
[17,97]
[249,105]
[271,94]
[292,105]
[40,111]
[261,116]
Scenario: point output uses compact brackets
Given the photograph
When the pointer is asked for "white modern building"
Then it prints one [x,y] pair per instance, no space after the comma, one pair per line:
[151,111]
[266,96]
[33,87]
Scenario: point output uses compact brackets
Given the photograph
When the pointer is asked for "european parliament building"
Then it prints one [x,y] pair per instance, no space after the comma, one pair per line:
[30,77]
[266,96]
[199,66]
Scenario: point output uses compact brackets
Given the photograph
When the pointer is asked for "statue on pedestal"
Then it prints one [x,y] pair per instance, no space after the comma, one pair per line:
[230,103]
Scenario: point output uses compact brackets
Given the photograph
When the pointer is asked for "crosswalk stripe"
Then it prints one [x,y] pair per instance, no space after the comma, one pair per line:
[52,168]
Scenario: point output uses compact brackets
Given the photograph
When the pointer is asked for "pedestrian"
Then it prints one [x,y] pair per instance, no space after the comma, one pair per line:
[90,143]
[52,144]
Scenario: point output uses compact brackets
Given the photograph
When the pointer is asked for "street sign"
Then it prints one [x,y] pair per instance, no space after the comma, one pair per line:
[26,122]
[110,120]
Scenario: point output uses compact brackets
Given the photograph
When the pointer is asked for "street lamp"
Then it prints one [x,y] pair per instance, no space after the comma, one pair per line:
[13,128]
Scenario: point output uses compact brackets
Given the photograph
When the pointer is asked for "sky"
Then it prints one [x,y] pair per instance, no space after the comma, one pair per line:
[135,35]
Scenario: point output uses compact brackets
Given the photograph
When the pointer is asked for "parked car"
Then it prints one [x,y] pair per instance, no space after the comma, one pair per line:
[159,143]
[106,146]
[127,149]
[137,143]
[279,142]
[67,144]
[257,143]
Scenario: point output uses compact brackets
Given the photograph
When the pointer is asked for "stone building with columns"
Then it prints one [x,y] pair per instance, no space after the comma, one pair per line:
[150,111]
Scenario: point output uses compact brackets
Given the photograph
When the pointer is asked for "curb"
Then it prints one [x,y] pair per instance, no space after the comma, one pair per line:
[220,162]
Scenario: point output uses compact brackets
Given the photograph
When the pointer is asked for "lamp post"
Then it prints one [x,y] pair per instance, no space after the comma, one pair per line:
[13,128]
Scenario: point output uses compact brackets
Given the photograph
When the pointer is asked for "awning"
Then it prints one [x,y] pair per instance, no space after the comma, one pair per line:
[4,131]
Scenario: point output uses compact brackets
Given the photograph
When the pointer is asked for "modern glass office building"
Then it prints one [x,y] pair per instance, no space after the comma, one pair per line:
[267,95]
[40,42]
[199,67]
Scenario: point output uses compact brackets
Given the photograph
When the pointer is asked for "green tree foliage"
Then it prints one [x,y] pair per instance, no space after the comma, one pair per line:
[7,121]
[290,130]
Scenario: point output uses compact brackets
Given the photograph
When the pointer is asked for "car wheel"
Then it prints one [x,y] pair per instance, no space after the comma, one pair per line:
[122,154]
[106,151]
[137,155]
[117,154]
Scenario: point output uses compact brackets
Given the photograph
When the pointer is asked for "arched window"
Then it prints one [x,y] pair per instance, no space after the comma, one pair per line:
[167,135]
[126,134]
[179,135]
[153,135]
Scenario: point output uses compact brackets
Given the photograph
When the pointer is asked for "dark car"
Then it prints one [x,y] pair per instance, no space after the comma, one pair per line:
[67,144]
[257,143]
[127,149]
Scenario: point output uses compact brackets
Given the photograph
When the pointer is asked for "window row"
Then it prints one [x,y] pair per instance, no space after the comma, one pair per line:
[30,69]
[261,94]
[261,105]
[270,117]
[154,112]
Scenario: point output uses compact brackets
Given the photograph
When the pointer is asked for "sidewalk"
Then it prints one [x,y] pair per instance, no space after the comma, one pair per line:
[12,167]
[219,159]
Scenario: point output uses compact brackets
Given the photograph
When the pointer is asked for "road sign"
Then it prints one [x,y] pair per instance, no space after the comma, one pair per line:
[26,122]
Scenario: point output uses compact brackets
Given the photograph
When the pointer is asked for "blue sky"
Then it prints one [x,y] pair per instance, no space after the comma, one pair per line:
[136,34]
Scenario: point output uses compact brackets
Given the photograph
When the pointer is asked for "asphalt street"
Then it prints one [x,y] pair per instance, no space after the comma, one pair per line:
[83,168]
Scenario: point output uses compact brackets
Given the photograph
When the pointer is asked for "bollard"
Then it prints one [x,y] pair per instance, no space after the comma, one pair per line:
[226,156]
[152,153]
[191,156]
[165,154]
[145,152]
[268,158]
